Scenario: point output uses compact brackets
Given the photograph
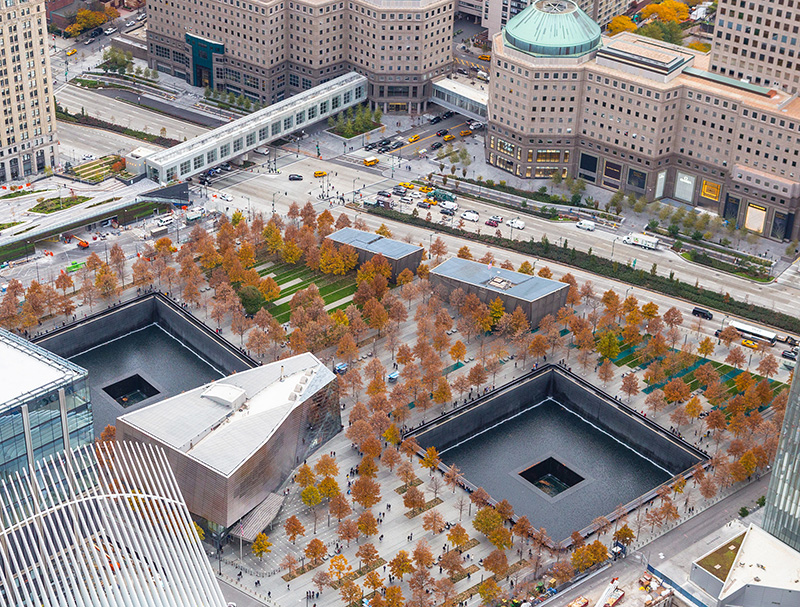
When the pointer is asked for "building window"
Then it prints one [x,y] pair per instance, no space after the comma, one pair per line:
[263,133]
[637,179]
[251,139]
[506,147]
[198,162]
[186,166]
[211,157]
[287,123]
[549,156]
[588,163]
[544,172]
[754,220]
[710,190]
[237,145]
[612,174]
[684,186]
[300,118]
[276,128]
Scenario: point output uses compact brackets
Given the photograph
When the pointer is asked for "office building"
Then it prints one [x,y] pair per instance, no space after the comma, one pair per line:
[44,405]
[497,13]
[782,512]
[29,143]
[537,296]
[643,116]
[270,50]
[400,255]
[101,525]
[757,42]
[232,443]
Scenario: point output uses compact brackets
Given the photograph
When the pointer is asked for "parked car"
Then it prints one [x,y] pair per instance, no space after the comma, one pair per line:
[442,132]
[789,354]
[446,211]
[406,185]
[130,24]
[295,177]
[517,224]
[424,204]
[226,197]
[497,218]
[436,145]
[142,17]
[407,200]
[461,70]
[425,189]
[109,31]
[470,215]
[448,114]
[492,223]
[395,145]
[436,120]
[385,193]
[370,146]
[385,142]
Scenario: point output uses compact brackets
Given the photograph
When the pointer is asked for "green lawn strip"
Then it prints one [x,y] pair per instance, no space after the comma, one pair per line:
[17,193]
[10,224]
[291,273]
[51,205]
[402,489]
[431,504]
[97,204]
[340,293]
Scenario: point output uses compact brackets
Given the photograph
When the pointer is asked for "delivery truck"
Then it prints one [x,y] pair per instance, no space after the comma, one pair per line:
[641,240]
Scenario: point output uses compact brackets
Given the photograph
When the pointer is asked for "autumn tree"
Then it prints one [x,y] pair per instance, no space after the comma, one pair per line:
[433,521]
[630,385]
[368,554]
[496,562]
[294,528]
[315,550]
[413,498]
[676,390]
[367,524]
[401,564]
[619,24]
[606,371]
[366,492]
[339,507]
[261,546]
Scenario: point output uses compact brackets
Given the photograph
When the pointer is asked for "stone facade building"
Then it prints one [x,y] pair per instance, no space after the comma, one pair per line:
[270,50]
[28,144]
[643,116]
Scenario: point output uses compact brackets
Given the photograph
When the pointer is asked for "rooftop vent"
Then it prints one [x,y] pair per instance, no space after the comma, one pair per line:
[498,282]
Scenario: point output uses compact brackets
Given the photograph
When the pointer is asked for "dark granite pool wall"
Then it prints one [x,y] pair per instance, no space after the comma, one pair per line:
[582,398]
[114,322]
[643,436]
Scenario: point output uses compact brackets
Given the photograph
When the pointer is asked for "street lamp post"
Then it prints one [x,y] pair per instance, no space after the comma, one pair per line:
[628,290]
[249,213]
[613,242]
[354,189]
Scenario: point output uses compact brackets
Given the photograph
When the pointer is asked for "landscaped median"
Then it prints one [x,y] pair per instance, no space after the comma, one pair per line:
[669,285]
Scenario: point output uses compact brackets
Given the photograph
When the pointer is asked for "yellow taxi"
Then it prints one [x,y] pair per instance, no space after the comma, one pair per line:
[320,173]
[449,137]
[71,52]
[485,57]
[405,185]
[749,343]
[413,138]
[425,189]
[465,133]
[432,201]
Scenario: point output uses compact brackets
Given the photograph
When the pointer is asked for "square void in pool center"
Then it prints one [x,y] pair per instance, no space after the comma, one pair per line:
[551,476]
[554,467]
[131,390]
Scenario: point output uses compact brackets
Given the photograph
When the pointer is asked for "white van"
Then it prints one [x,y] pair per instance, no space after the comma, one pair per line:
[165,221]
[585,224]
[446,204]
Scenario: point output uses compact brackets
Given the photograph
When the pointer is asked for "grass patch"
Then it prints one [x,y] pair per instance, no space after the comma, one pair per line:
[97,204]
[415,483]
[51,205]
[287,577]
[467,571]
[431,504]
[10,224]
[719,562]
[17,193]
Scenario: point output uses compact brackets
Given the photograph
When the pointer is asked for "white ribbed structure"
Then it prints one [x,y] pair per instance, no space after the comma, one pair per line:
[103,526]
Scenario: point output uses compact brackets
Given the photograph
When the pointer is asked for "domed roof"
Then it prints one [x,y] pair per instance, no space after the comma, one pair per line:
[553,28]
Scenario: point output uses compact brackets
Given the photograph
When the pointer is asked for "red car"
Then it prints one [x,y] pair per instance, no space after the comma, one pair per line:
[491,222]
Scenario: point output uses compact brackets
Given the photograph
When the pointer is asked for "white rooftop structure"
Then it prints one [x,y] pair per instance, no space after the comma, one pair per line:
[763,560]
[27,370]
[224,423]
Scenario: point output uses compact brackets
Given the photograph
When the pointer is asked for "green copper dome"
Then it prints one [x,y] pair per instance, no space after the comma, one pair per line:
[553,28]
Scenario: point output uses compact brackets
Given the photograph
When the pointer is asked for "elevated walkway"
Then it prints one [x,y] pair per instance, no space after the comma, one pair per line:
[462,94]
[260,128]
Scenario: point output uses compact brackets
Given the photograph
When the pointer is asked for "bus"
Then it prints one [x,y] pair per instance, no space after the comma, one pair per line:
[754,332]
[371,160]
